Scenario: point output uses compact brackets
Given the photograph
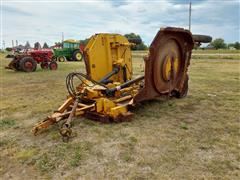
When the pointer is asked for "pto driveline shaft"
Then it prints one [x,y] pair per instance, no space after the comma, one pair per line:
[124,85]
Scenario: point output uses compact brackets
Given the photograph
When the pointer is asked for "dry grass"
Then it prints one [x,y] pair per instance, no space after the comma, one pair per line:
[192,138]
[204,54]
[219,51]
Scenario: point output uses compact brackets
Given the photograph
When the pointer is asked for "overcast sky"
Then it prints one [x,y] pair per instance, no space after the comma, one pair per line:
[44,21]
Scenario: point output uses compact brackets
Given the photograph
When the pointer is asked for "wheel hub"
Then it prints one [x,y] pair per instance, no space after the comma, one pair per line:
[78,56]
[61,59]
[28,65]
[170,67]
[53,66]
[166,66]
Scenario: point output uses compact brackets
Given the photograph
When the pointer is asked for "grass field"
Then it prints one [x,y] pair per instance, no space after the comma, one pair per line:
[205,54]
[192,138]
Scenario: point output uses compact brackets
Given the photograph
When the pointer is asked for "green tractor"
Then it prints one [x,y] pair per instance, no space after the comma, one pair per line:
[70,51]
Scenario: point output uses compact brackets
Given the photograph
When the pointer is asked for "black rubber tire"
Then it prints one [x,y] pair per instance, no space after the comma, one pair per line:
[184,91]
[17,65]
[75,54]
[25,61]
[53,65]
[202,38]
[59,58]
[44,65]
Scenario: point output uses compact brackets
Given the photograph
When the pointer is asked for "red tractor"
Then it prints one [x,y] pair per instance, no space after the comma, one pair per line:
[28,61]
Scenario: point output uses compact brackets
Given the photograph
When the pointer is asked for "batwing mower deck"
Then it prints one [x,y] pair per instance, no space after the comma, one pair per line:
[108,88]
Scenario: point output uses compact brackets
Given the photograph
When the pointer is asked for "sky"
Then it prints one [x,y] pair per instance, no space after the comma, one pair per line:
[45,20]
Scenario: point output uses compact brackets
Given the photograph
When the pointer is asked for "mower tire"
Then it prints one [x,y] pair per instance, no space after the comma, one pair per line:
[28,64]
[201,38]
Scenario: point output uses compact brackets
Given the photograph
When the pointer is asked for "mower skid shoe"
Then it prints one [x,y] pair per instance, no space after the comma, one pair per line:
[167,64]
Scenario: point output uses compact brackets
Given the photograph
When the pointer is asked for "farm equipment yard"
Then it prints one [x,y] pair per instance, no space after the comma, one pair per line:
[194,137]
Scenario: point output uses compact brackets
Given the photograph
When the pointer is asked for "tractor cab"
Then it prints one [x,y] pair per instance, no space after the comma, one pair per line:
[71,43]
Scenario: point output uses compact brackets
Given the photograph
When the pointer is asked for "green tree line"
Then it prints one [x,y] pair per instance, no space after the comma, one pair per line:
[220,44]
[140,46]
[217,43]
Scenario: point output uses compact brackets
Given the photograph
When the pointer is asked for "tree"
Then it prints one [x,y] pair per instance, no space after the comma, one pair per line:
[27,45]
[9,49]
[219,43]
[45,45]
[37,45]
[230,45]
[85,41]
[236,45]
[140,46]
[58,44]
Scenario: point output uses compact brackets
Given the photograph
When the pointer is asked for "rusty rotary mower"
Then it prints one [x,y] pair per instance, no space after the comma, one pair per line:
[108,89]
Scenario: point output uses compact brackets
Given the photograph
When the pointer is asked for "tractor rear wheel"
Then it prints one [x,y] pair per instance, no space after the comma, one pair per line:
[28,64]
[77,56]
[53,65]
[61,58]
[44,65]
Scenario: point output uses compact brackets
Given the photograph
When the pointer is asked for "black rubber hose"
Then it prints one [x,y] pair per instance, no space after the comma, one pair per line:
[70,82]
